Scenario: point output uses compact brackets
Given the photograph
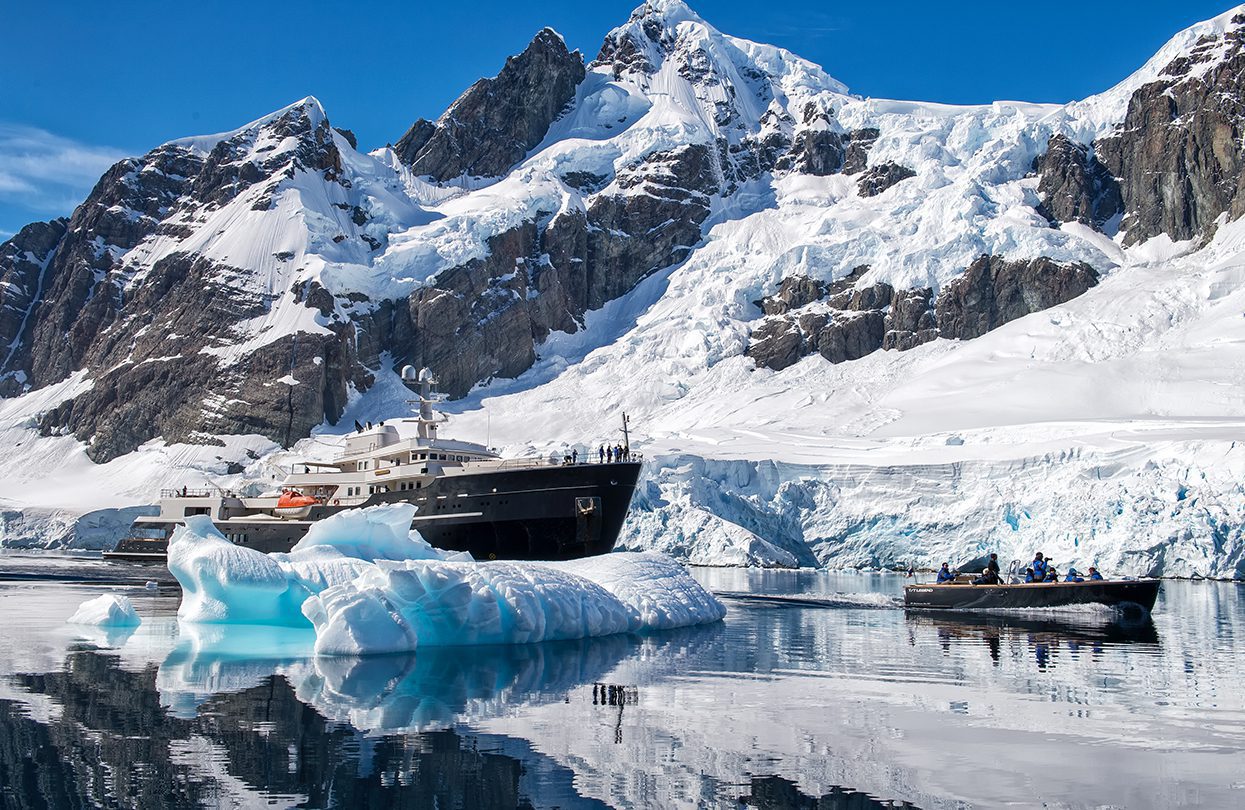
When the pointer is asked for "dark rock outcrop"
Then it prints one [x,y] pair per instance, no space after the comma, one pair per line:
[655,223]
[993,291]
[856,155]
[837,320]
[851,336]
[483,319]
[142,388]
[493,125]
[821,151]
[844,321]
[1074,186]
[879,178]
[23,260]
[818,152]
[778,342]
[911,320]
[794,292]
[1179,154]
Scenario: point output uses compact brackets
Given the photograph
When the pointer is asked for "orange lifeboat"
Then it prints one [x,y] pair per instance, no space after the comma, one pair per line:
[293,504]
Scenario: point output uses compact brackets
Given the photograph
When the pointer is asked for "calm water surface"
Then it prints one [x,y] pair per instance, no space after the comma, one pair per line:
[857,705]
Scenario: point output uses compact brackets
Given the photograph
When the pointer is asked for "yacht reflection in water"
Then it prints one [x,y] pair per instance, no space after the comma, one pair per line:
[1042,634]
[777,793]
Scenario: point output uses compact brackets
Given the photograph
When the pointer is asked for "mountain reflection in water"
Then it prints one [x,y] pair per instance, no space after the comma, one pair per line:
[302,732]
[848,702]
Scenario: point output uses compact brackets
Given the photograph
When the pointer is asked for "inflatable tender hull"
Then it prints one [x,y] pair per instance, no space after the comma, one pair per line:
[1032,595]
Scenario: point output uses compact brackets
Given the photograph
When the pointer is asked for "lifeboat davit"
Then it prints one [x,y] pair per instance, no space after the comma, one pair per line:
[294,504]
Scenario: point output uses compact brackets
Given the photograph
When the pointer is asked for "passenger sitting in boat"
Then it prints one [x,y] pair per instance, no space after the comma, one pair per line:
[1093,574]
[988,577]
[1051,574]
[1073,576]
[945,575]
[1029,575]
[1039,567]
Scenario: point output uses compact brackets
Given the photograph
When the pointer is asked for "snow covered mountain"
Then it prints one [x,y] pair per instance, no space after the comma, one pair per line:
[849,331]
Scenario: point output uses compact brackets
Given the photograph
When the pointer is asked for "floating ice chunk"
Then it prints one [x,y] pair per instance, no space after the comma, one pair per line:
[226,583]
[109,610]
[366,584]
[659,592]
[375,533]
[222,582]
[396,607]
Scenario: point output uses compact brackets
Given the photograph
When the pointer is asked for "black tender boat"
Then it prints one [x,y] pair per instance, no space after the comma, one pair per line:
[955,596]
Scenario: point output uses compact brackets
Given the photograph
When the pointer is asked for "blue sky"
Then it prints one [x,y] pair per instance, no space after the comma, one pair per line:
[85,83]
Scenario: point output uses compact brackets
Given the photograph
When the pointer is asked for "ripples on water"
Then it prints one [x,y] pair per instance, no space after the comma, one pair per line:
[843,700]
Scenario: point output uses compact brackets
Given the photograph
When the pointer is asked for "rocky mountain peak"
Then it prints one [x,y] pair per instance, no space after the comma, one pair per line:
[653,31]
[1178,154]
[493,125]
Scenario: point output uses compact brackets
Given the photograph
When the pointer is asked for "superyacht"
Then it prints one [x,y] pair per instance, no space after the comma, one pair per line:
[469,498]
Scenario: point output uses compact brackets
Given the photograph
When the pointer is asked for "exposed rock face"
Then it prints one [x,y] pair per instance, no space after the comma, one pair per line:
[23,261]
[80,295]
[994,291]
[910,321]
[1179,155]
[794,292]
[881,177]
[497,121]
[836,320]
[484,318]
[154,344]
[1074,185]
[631,235]
[843,321]
[820,150]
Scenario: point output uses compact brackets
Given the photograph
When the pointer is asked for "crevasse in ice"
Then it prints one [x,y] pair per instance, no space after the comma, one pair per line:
[366,584]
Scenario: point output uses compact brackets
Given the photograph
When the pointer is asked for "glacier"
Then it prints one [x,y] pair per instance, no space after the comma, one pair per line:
[1102,431]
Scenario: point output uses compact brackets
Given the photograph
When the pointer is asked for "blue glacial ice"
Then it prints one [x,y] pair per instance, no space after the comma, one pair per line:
[366,584]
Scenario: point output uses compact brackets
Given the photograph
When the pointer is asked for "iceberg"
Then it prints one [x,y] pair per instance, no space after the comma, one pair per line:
[109,610]
[366,584]
[226,583]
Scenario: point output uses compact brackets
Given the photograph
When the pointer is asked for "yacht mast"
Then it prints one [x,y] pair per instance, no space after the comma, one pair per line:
[421,384]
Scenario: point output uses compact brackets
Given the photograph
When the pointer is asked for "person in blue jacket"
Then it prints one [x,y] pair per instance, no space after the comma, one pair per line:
[1052,575]
[1039,567]
[1029,577]
[1093,573]
[945,575]
[1073,576]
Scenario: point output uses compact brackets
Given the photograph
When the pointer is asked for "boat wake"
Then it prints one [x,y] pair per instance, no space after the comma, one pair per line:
[859,601]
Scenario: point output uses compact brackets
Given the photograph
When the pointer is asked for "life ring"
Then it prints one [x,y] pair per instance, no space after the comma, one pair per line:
[336,501]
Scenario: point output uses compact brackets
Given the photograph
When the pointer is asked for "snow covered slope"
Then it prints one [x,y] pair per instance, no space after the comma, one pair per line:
[849,331]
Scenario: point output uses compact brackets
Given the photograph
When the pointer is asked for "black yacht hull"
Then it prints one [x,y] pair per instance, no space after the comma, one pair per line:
[1032,595]
[526,513]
